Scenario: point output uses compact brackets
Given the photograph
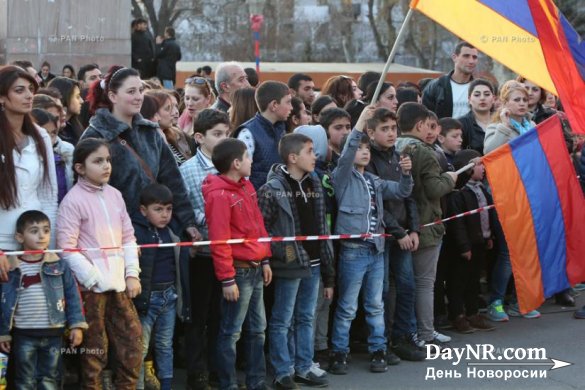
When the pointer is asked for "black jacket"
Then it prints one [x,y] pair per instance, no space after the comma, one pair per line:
[473,133]
[541,113]
[143,53]
[399,215]
[144,233]
[438,96]
[168,53]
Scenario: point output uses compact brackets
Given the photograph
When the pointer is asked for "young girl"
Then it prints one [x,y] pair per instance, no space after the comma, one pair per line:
[93,214]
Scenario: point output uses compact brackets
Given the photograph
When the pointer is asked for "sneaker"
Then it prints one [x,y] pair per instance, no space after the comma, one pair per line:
[285,383]
[479,322]
[461,325]
[392,359]
[406,349]
[514,311]
[443,338]
[496,311]
[378,362]
[338,363]
[315,377]
[322,358]
[435,341]
[150,380]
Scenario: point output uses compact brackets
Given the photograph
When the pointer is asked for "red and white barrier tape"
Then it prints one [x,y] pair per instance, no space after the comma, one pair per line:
[240,240]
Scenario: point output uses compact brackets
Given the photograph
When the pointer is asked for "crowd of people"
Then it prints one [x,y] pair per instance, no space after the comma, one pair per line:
[94,161]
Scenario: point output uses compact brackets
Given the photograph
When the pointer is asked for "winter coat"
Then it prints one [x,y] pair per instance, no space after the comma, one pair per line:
[231,210]
[168,53]
[128,172]
[473,134]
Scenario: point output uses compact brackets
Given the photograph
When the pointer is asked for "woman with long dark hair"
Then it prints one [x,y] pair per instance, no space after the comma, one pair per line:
[72,101]
[27,168]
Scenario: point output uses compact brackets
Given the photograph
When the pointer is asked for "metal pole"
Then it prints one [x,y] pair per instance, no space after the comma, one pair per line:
[391,56]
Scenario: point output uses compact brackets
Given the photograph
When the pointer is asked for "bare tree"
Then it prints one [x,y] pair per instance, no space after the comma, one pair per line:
[166,15]
[384,35]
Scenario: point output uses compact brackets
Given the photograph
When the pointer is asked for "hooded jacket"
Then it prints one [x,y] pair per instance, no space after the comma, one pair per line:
[289,259]
[128,174]
[429,186]
[231,210]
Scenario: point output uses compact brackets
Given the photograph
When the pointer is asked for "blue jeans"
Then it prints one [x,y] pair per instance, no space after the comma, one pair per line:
[168,84]
[159,324]
[37,362]
[247,311]
[399,271]
[293,312]
[502,271]
[359,265]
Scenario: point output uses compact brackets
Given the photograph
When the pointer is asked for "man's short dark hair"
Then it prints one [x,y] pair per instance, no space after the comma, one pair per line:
[208,118]
[368,78]
[140,21]
[170,31]
[295,80]
[409,114]
[270,91]
[206,69]
[155,193]
[460,45]
[331,114]
[29,217]
[225,152]
[292,143]
[84,69]
[381,115]
[252,76]
[448,124]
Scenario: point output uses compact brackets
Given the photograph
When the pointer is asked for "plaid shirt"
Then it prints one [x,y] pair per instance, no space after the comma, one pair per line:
[194,171]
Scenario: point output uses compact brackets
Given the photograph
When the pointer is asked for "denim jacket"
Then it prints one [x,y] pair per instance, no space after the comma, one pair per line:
[59,286]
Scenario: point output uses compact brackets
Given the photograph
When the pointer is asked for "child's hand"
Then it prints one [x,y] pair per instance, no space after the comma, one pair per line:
[415,241]
[466,255]
[453,176]
[5,347]
[406,164]
[405,243]
[366,114]
[133,287]
[194,233]
[4,268]
[267,273]
[231,293]
[75,337]
[328,293]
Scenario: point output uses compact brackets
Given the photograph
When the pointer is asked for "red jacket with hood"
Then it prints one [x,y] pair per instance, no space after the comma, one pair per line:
[231,210]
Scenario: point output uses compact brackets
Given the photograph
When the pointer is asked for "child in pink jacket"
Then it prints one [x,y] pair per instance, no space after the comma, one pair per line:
[93,215]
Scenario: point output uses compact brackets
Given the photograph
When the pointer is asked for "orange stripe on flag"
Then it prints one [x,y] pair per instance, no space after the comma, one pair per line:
[515,216]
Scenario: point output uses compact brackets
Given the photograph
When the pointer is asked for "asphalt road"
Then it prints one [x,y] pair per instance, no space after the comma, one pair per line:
[555,333]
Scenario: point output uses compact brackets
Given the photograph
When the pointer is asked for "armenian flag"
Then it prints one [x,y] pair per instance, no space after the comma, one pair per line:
[541,208]
[531,37]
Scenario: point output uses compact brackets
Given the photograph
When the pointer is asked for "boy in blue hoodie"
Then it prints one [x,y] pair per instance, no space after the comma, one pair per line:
[360,196]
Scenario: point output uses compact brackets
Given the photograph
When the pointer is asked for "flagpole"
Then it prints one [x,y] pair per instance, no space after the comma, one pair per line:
[392,55]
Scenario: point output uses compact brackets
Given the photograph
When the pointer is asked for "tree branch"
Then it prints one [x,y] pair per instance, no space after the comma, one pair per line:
[382,52]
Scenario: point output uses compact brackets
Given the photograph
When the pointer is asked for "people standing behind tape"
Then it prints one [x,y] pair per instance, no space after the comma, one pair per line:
[481,97]
[342,89]
[140,155]
[243,107]
[27,163]
[536,99]
[72,101]
[262,133]
[303,87]
[229,76]
[168,53]
[93,215]
[143,49]
[447,96]
[45,74]
[321,104]
[197,96]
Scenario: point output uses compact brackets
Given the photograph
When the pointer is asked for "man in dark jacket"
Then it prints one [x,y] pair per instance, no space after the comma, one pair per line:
[168,53]
[447,95]
[143,49]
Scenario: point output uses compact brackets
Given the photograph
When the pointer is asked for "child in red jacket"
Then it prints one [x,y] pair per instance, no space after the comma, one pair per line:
[231,210]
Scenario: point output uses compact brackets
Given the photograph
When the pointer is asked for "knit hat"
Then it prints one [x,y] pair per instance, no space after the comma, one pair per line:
[319,137]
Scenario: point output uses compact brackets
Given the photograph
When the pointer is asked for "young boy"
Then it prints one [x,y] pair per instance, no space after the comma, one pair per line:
[262,133]
[293,204]
[466,243]
[210,128]
[231,210]
[164,279]
[429,186]
[35,310]
[401,221]
[360,197]
[450,137]
[337,124]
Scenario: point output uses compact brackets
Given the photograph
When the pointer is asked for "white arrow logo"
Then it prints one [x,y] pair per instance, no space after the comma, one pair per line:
[555,362]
